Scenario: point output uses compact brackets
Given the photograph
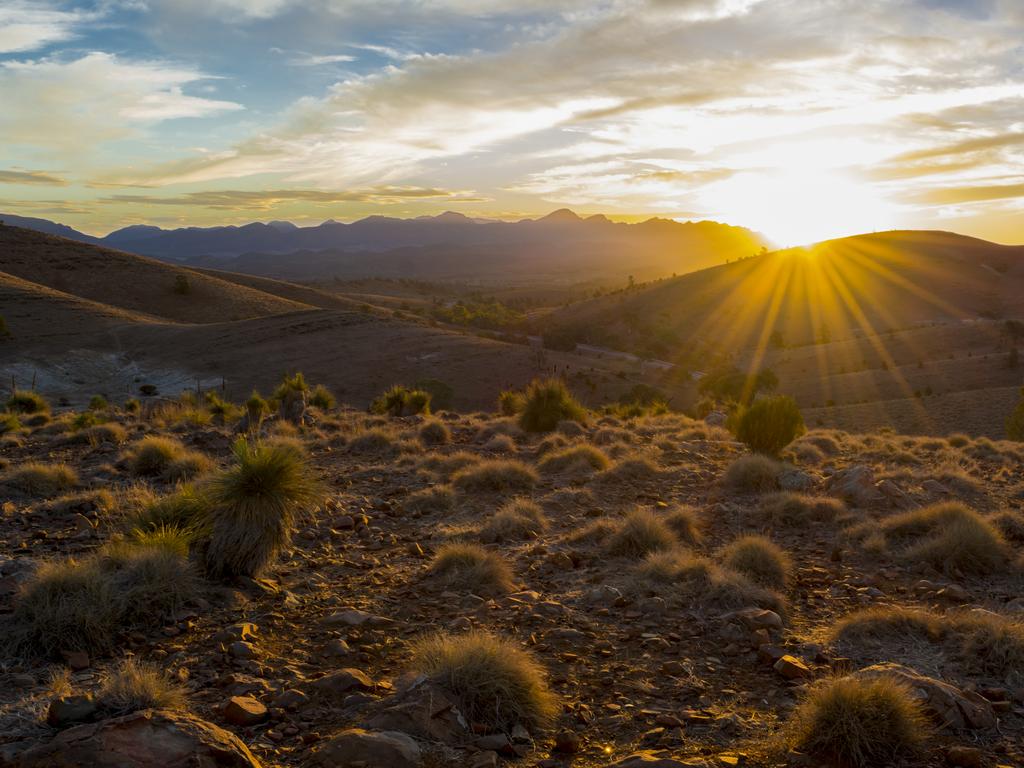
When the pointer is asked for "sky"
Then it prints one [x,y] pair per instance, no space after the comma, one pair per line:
[802,119]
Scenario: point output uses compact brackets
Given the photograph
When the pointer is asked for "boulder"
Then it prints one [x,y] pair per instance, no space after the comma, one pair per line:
[65,710]
[855,485]
[146,739]
[424,710]
[244,711]
[356,748]
[341,682]
[947,705]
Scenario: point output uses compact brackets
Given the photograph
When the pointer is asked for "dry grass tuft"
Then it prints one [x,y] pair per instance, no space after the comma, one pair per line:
[427,501]
[165,457]
[495,681]
[495,476]
[796,509]
[577,459]
[135,686]
[546,404]
[639,532]
[753,473]
[516,520]
[686,524]
[373,441]
[38,479]
[860,723]
[470,567]
[434,432]
[760,560]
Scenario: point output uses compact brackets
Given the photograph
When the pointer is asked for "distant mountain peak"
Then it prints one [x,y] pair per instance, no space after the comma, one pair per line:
[562,214]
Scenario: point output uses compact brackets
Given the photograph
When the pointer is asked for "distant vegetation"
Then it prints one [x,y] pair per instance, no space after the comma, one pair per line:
[402,401]
[770,424]
[546,403]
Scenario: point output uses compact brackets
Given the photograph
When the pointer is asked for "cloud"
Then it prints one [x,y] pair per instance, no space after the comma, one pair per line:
[28,26]
[971,194]
[268,199]
[72,105]
[30,177]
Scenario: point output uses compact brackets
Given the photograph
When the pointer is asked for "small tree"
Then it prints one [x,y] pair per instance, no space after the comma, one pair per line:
[182,287]
[770,424]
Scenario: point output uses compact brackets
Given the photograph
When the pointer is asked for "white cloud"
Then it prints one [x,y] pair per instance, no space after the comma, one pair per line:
[27,26]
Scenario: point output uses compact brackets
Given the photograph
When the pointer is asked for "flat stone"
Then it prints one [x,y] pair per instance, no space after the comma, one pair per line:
[356,748]
[244,711]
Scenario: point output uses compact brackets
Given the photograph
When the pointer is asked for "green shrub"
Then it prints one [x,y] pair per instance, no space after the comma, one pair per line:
[9,423]
[473,568]
[760,560]
[495,682]
[253,505]
[322,398]
[402,401]
[26,401]
[860,723]
[220,409]
[417,402]
[770,424]
[546,403]
[98,403]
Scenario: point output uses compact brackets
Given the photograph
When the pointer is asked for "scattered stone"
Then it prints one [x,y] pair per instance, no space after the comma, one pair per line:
[792,668]
[855,485]
[965,757]
[649,759]
[341,682]
[66,710]
[567,742]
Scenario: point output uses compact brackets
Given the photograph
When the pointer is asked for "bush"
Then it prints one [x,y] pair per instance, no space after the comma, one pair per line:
[495,476]
[471,567]
[288,386]
[26,401]
[639,532]
[9,423]
[760,560]
[860,722]
[948,536]
[433,432]
[253,505]
[132,405]
[770,424]
[417,402]
[85,605]
[576,458]
[185,510]
[546,403]
[322,398]
[753,473]
[516,520]
[495,682]
[98,403]
[1014,422]
[37,478]
[402,401]
[164,456]
[135,686]
[511,402]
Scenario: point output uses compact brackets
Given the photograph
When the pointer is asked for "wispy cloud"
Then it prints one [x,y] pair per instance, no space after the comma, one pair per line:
[28,25]
[261,200]
[31,177]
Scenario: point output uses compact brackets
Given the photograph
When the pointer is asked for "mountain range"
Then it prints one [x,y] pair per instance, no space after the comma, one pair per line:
[561,244]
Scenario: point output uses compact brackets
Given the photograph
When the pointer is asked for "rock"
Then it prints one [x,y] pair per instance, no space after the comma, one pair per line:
[341,682]
[355,618]
[855,485]
[356,748]
[244,630]
[244,711]
[487,759]
[424,710]
[242,650]
[965,757]
[77,660]
[567,742]
[648,759]
[757,618]
[796,480]
[791,668]
[70,709]
[291,699]
[716,419]
[946,704]
[337,647]
[147,739]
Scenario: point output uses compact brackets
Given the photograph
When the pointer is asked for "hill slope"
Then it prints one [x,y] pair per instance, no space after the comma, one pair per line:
[130,282]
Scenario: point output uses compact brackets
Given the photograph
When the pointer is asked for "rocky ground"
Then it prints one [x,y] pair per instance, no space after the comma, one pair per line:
[646,675]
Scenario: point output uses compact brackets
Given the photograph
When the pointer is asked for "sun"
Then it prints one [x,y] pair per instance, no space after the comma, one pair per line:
[797,207]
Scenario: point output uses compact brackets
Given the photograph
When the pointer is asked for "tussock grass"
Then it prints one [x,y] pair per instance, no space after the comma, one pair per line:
[445,465]
[426,501]
[100,501]
[690,578]
[495,476]
[948,536]
[26,401]
[435,432]
[186,509]
[1010,523]
[639,532]
[253,505]
[548,402]
[581,458]
[85,604]
[100,434]
[374,441]
[494,680]
[470,567]
[686,524]
[322,398]
[38,479]
[571,429]
[630,471]
[760,560]
[134,686]
[165,457]
[753,473]
[500,444]
[860,723]
[973,642]
[796,509]
[516,520]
